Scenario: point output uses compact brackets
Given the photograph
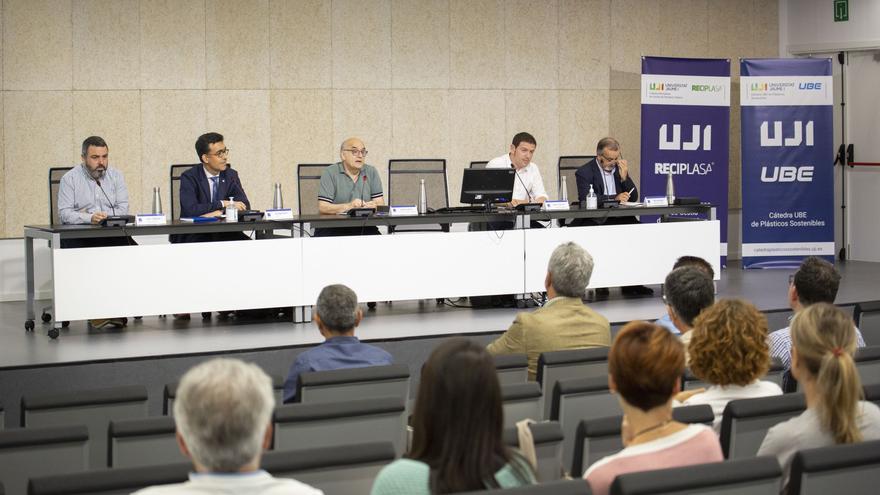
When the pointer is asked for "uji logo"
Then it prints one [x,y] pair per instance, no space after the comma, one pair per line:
[800,134]
[676,143]
[759,87]
[656,86]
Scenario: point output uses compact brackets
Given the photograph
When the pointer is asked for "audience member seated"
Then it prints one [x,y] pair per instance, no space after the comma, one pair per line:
[815,281]
[823,341]
[564,322]
[665,321]
[223,413]
[457,442]
[729,351]
[687,291]
[645,367]
[337,314]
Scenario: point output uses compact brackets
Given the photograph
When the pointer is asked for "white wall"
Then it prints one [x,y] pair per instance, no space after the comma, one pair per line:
[807,26]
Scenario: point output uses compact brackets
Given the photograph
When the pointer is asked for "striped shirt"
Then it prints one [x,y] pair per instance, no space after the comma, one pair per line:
[780,348]
[79,195]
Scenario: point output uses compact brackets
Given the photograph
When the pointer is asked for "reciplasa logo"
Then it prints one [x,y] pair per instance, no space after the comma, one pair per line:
[799,132]
[675,144]
[787,174]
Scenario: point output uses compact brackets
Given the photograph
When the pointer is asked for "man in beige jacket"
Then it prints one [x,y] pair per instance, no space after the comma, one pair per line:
[564,322]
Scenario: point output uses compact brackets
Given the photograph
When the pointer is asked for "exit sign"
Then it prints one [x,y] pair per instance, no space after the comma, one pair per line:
[841,10]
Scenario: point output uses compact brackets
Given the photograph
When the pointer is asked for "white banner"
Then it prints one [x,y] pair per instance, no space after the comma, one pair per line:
[663,89]
[788,249]
[769,91]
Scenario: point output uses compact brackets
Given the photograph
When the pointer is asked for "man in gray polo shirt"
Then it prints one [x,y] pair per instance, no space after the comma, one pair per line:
[350,183]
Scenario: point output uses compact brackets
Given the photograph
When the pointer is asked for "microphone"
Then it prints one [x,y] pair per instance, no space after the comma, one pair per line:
[98,182]
[363,186]
[529,194]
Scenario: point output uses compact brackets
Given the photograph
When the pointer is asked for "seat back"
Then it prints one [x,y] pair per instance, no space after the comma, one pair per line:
[745,422]
[117,481]
[829,469]
[329,424]
[567,167]
[774,374]
[580,399]
[868,364]
[758,476]
[169,393]
[598,438]
[92,408]
[174,186]
[571,363]
[354,383]
[343,470]
[55,175]
[547,437]
[32,452]
[404,177]
[867,317]
[478,164]
[143,442]
[561,487]
[872,393]
[308,182]
[521,401]
[512,368]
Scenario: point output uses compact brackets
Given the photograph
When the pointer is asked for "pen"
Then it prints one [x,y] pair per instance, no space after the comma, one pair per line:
[631,190]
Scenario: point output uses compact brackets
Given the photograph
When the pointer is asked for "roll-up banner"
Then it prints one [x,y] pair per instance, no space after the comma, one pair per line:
[685,131]
[787,161]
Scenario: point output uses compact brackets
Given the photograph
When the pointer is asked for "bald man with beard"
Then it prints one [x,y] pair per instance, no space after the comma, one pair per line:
[349,183]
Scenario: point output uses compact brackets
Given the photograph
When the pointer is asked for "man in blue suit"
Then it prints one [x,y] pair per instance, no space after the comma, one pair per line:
[208,189]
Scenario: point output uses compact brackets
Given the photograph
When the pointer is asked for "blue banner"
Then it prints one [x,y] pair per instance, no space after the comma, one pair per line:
[787,161]
[685,131]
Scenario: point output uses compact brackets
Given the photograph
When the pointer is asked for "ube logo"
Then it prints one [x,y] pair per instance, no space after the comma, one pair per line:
[787,174]
[675,144]
[810,86]
[799,132]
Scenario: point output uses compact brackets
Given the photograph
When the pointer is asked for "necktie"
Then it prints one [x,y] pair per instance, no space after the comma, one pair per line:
[214,188]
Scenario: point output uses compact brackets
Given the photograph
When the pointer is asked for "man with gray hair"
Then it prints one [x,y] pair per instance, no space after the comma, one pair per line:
[337,314]
[564,322]
[223,414]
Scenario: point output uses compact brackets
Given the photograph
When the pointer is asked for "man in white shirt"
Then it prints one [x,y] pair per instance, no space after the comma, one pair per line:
[528,186]
[223,413]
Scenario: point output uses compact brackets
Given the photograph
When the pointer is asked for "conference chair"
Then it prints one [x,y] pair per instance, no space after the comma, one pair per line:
[578,399]
[547,438]
[308,182]
[512,368]
[2,418]
[330,424]
[774,374]
[343,470]
[521,401]
[598,438]
[403,188]
[745,422]
[143,442]
[478,164]
[174,186]
[868,364]
[850,468]
[561,487]
[567,167]
[31,452]
[118,481]
[872,393]
[867,317]
[571,363]
[92,408]
[354,383]
[170,393]
[758,476]
[55,175]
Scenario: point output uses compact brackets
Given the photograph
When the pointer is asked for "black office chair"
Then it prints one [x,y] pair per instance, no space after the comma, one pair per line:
[566,167]
[867,317]
[55,175]
[403,186]
[478,164]
[308,181]
[176,172]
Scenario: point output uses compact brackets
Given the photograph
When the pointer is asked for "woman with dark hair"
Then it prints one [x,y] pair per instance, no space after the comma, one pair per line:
[823,342]
[645,366]
[457,430]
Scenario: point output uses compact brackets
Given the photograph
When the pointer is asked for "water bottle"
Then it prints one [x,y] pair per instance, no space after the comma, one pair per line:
[157,202]
[231,211]
[670,189]
[423,198]
[592,201]
[563,194]
[277,200]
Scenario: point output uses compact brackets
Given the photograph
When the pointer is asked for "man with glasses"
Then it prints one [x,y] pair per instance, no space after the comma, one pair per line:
[349,183]
[609,175]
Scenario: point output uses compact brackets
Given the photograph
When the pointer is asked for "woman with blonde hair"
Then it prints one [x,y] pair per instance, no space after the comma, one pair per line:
[729,351]
[823,342]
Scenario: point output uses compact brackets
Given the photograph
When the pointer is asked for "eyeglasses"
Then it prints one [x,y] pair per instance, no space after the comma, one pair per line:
[220,153]
[356,152]
[606,161]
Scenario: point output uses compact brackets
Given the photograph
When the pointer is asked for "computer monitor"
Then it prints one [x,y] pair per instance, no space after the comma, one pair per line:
[487,185]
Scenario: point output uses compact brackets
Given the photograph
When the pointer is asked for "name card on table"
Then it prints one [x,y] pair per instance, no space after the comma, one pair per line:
[278,214]
[556,205]
[403,211]
[150,219]
[656,201]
